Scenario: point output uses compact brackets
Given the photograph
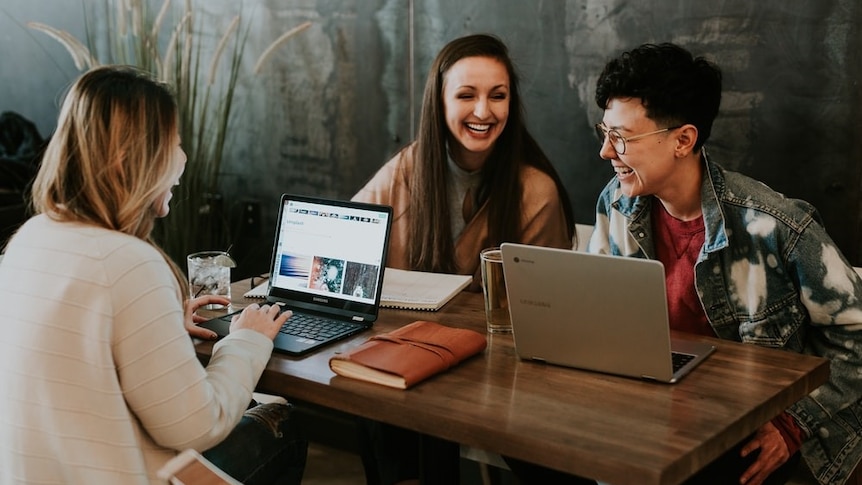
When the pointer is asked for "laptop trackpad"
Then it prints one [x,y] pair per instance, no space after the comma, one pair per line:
[219,325]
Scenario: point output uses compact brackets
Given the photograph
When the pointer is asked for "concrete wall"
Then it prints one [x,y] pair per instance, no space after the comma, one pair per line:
[338,100]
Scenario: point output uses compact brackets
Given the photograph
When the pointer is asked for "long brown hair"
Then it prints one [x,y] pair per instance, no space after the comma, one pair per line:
[430,233]
[110,158]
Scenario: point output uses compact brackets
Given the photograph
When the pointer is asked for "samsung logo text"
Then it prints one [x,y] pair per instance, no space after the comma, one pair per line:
[543,304]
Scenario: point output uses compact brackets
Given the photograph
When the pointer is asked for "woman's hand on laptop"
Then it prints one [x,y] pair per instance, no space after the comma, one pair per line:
[192,319]
[265,319]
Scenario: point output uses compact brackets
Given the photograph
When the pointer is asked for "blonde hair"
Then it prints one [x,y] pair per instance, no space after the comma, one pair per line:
[110,159]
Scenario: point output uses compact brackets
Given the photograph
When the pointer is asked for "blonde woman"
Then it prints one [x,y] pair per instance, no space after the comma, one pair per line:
[101,382]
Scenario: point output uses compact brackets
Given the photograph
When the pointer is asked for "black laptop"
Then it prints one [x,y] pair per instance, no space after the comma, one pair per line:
[327,266]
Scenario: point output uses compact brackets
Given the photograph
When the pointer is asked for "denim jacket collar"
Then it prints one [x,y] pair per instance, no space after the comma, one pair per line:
[712,189]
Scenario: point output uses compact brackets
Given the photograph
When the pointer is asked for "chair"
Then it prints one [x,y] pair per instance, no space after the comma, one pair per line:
[485,460]
[582,236]
[11,217]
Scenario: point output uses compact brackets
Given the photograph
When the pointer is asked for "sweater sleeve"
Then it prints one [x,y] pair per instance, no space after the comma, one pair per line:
[382,187]
[543,218]
[178,402]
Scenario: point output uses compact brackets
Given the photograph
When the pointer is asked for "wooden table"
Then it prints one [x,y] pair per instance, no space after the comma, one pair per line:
[614,429]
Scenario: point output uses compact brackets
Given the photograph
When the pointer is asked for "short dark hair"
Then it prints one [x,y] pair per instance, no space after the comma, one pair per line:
[674,86]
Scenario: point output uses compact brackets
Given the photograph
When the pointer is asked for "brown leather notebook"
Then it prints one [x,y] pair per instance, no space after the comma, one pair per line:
[409,355]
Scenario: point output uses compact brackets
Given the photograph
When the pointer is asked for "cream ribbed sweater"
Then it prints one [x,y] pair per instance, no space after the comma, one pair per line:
[99,382]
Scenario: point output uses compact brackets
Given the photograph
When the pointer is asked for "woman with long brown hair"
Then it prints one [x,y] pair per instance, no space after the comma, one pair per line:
[474,177]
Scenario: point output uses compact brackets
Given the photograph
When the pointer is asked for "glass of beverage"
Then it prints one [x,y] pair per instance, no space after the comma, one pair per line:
[209,274]
[494,288]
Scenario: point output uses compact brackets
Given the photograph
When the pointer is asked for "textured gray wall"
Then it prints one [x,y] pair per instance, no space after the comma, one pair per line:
[341,98]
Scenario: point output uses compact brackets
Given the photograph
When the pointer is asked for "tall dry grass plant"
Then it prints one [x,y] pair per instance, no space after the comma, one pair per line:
[174,43]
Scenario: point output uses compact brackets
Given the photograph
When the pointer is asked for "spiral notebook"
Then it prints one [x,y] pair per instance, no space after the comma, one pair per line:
[419,290]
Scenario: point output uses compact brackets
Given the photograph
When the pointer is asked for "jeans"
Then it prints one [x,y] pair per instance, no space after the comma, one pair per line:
[265,448]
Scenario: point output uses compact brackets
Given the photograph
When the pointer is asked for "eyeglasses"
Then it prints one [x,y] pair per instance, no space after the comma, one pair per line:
[618,141]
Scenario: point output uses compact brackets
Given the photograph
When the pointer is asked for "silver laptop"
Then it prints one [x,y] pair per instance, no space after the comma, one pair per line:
[328,260]
[595,312]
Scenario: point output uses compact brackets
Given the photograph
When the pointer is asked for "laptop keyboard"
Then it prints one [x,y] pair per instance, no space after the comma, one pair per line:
[315,328]
[680,360]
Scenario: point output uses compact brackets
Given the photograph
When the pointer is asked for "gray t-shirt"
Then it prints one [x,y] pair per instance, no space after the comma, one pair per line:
[460,181]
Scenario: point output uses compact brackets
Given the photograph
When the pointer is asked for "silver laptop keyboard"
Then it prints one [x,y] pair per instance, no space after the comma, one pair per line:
[680,360]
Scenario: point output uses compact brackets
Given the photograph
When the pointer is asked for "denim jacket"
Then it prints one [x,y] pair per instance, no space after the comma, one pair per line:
[768,274]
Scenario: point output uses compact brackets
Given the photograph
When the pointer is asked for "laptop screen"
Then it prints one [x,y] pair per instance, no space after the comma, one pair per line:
[330,255]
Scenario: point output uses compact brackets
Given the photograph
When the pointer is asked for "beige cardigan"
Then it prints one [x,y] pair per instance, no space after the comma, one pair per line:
[542,219]
[100,381]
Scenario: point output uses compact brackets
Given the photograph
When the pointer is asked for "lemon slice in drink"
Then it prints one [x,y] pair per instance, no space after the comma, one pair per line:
[225,260]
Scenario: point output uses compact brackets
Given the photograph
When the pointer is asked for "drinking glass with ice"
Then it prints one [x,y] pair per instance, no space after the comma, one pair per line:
[209,274]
